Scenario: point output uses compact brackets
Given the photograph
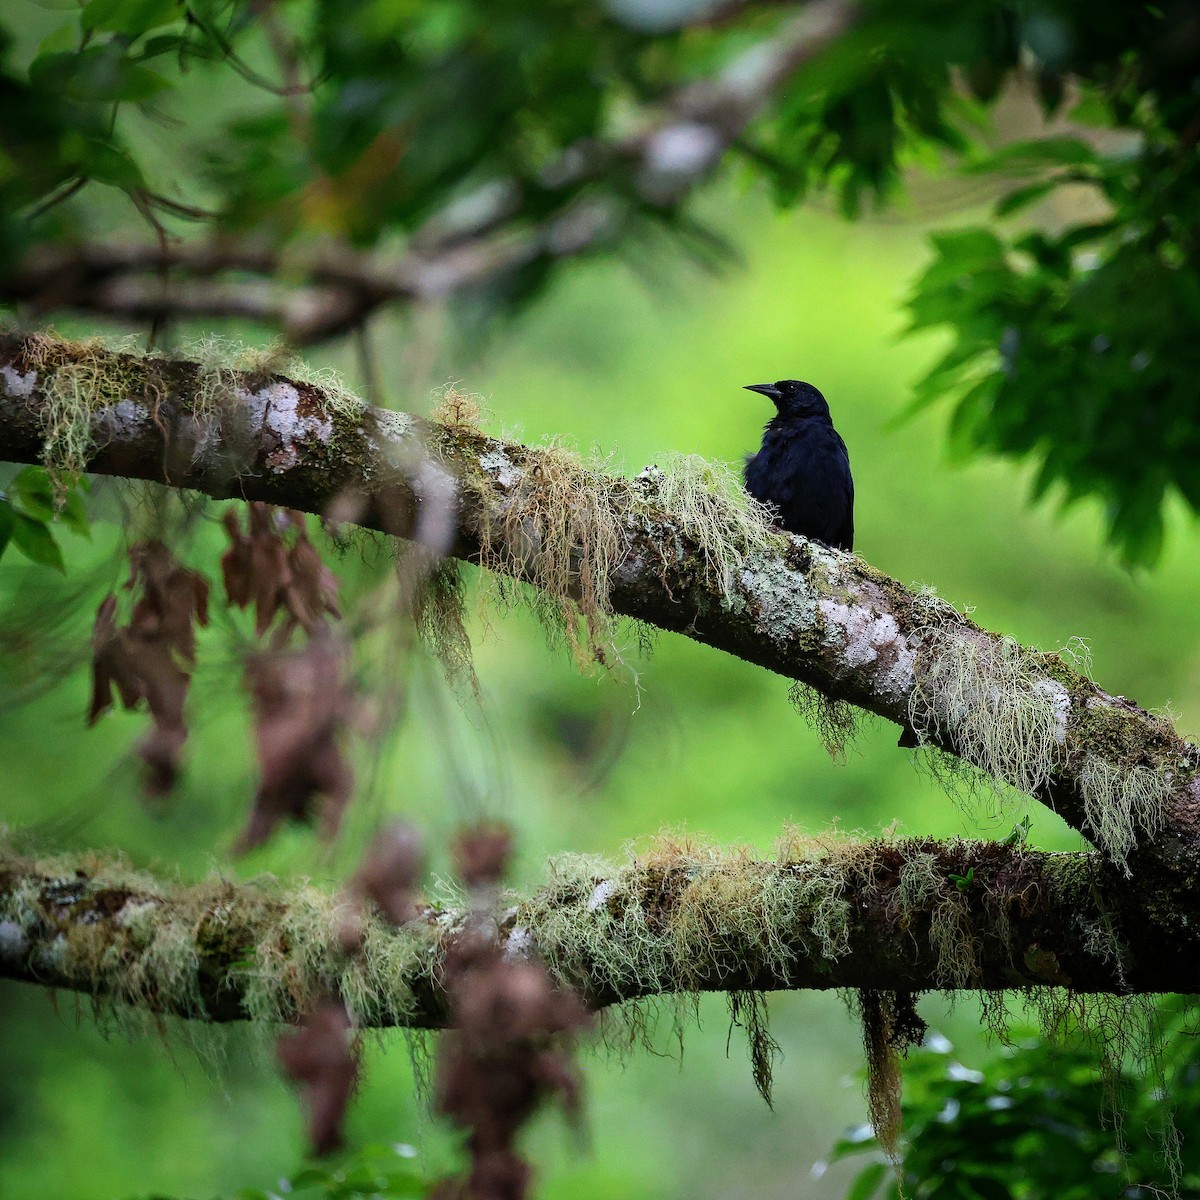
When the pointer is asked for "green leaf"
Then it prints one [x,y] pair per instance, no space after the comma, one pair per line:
[73,514]
[35,493]
[130,17]
[99,74]
[7,521]
[107,163]
[1037,153]
[36,542]
[64,38]
[38,497]
[858,1140]
[1023,197]
[867,1181]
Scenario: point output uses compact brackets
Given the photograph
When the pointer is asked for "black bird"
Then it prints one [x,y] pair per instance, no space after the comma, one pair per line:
[803,468]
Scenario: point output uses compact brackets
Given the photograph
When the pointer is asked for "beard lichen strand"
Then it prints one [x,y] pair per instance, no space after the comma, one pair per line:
[566,524]
[993,700]
[707,505]
[986,698]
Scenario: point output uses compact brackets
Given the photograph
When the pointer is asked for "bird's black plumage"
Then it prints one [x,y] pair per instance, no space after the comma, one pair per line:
[803,468]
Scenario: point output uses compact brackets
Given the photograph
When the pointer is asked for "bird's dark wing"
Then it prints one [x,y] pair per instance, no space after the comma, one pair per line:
[844,534]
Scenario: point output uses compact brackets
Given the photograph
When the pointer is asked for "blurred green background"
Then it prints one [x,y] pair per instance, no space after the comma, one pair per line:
[635,363]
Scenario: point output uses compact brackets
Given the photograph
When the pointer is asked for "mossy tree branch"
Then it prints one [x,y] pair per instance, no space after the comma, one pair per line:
[874,915]
[1118,774]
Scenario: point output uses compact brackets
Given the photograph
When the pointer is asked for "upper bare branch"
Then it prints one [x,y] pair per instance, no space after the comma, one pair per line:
[333,289]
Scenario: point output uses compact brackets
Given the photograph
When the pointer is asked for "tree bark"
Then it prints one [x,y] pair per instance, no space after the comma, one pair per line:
[902,916]
[1121,776]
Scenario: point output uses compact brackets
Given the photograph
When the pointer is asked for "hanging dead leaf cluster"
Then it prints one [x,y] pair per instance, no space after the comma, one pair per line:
[508,1049]
[386,880]
[301,702]
[150,658]
[301,699]
[262,570]
[321,1058]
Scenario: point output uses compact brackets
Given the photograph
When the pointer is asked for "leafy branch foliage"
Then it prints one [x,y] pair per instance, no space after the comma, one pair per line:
[363,122]
[1024,1124]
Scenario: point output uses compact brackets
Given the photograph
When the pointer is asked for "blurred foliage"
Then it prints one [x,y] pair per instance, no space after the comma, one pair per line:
[1025,1125]
[28,507]
[369,1173]
[367,120]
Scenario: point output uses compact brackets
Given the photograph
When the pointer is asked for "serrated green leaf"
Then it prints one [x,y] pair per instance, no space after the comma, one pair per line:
[36,542]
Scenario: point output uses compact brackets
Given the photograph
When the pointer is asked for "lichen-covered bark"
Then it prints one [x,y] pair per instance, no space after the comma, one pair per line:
[1118,774]
[874,915]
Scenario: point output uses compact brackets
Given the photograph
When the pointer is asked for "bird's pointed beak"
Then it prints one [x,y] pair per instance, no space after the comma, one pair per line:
[764,389]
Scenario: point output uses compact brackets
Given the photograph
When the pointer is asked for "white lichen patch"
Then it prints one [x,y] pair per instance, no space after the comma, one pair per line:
[17,384]
[604,891]
[123,419]
[393,425]
[138,913]
[519,943]
[275,407]
[14,943]
[779,598]
[865,636]
[1060,700]
[500,467]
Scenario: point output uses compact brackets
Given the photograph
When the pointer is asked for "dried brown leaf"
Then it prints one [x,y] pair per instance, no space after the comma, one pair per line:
[482,853]
[261,570]
[148,660]
[507,1053]
[301,702]
[321,1058]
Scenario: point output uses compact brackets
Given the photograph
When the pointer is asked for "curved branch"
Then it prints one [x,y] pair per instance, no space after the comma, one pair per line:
[1118,774]
[862,915]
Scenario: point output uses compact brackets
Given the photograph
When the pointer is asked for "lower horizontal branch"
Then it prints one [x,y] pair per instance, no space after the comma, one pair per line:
[900,916]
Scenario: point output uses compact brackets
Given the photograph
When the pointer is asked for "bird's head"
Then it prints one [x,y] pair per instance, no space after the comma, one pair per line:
[793,398]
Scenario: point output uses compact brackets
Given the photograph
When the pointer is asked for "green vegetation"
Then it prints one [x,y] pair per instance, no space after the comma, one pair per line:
[1019,1119]
[419,176]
